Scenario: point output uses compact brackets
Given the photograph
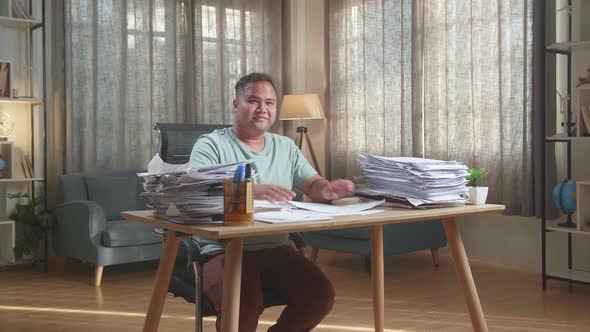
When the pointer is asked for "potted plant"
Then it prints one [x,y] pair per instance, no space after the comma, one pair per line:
[477,194]
[31,223]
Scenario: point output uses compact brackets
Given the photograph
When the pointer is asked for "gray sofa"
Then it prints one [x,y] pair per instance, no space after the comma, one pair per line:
[397,239]
[88,225]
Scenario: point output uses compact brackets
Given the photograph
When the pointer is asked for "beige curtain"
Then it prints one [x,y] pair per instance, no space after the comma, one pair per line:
[370,81]
[130,64]
[471,82]
[477,92]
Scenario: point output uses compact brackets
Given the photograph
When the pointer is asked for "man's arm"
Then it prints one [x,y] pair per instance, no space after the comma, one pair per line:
[321,190]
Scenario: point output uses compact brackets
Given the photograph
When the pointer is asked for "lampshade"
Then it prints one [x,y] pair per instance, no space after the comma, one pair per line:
[300,107]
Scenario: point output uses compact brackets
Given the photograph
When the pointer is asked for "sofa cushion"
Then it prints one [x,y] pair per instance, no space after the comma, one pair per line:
[123,233]
[113,194]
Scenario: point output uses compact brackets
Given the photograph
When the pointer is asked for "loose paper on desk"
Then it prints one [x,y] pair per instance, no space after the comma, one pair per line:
[338,209]
[290,216]
[299,215]
[263,205]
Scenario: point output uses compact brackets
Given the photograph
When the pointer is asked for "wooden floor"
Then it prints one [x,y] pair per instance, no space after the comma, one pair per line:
[418,298]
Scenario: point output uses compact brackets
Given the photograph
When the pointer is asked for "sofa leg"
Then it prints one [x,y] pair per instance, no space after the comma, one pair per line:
[434,252]
[98,275]
[314,254]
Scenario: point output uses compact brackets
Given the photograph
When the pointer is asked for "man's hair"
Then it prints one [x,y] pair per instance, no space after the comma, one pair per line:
[245,81]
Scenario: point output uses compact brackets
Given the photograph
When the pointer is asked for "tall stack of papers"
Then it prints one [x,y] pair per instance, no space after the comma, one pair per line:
[193,196]
[413,182]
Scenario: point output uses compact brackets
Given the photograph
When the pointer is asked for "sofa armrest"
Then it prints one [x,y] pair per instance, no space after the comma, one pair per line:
[78,228]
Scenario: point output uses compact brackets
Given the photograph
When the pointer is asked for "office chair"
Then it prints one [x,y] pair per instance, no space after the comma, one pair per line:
[177,139]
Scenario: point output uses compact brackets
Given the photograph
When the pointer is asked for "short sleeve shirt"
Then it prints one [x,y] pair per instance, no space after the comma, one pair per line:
[280,163]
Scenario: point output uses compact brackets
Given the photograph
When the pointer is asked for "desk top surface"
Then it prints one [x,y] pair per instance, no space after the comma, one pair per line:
[260,228]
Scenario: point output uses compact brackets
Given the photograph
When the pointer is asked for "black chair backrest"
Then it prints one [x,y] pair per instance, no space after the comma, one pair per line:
[177,139]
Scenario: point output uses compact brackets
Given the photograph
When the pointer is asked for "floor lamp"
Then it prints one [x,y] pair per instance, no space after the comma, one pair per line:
[302,107]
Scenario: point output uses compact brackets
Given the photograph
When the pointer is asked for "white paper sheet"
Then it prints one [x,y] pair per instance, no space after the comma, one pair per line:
[337,209]
[298,215]
[262,205]
[289,216]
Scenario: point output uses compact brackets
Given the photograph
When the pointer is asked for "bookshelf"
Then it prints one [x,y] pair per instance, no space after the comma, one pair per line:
[22,107]
[571,46]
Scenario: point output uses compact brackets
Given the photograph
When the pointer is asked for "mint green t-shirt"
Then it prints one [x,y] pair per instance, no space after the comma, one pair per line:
[280,163]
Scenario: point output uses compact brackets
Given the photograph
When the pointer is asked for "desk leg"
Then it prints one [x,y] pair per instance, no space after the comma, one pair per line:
[232,279]
[377,275]
[465,277]
[160,290]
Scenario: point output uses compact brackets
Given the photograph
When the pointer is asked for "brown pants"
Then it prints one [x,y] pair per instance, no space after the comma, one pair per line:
[306,289]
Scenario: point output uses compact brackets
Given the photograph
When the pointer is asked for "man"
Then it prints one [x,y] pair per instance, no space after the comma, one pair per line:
[268,260]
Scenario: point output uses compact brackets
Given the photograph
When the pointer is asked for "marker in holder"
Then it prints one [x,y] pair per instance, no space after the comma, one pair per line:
[238,199]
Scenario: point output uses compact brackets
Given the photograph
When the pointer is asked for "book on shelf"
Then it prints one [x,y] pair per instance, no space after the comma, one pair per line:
[24,168]
[27,167]
[585,115]
[5,79]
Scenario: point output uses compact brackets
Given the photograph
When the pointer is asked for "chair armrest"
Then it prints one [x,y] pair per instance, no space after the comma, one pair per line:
[192,250]
[78,227]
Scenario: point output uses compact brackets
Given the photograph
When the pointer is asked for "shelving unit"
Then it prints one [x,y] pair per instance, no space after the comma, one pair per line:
[27,101]
[19,23]
[574,135]
[566,47]
[23,46]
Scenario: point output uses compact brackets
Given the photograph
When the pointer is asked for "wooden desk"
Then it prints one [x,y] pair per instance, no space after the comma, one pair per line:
[233,256]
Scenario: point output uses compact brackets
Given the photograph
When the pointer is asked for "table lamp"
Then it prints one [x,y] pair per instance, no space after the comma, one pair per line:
[302,107]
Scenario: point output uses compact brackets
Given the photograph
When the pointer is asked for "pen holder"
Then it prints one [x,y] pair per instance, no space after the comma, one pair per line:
[238,202]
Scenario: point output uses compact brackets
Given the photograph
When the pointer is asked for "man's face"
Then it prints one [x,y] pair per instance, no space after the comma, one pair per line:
[255,109]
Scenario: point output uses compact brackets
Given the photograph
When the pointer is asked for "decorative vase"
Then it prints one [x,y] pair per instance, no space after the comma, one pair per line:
[478,195]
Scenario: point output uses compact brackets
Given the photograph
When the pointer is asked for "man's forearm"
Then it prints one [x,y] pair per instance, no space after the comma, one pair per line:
[316,189]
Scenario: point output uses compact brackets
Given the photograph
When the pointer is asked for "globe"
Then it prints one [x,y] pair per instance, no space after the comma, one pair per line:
[564,196]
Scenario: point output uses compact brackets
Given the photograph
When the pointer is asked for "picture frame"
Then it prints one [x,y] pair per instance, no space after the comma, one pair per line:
[5,79]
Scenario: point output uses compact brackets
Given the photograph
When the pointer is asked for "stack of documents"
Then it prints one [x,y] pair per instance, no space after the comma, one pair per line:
[413,182]
[192,196]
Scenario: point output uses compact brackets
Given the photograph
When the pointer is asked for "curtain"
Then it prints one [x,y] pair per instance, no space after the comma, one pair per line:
[477,92]
[370,81]
[471,82]
[130,64]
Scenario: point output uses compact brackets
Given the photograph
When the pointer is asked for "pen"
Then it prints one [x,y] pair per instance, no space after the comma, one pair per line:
[248,171]
[238,177]
[240,173]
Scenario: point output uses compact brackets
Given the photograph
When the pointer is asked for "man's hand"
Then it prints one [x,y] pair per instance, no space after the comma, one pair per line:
[337,189]
[273,193]
[321,190]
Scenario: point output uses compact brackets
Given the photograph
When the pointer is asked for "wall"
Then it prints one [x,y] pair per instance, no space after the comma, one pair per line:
[516,242]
